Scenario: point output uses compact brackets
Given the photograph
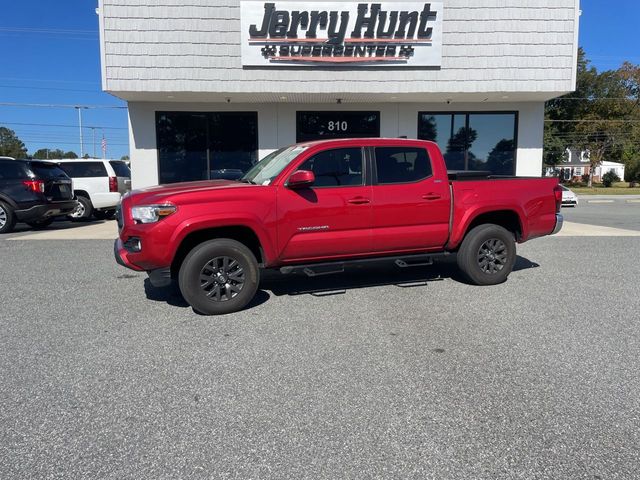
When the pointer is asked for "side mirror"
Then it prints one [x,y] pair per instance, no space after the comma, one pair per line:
[301,179]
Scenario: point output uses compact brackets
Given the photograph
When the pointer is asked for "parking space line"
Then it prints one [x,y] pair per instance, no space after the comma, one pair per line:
[601,201]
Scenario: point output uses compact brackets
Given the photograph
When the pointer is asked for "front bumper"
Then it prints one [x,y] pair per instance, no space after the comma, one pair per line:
[559,223]
[121,255]
[46,210]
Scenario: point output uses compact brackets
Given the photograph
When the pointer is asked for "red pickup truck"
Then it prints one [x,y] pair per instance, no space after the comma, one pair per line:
[315,206]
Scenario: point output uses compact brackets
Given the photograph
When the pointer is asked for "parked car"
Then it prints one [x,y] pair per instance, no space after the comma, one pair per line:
[569,199]
[33,192]
[312,207]
[98,186]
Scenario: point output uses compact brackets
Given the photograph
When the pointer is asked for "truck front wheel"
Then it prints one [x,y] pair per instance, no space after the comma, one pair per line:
[487,254]
[219,276]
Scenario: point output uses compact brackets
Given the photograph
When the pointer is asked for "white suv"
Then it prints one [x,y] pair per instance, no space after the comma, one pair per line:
[98,186]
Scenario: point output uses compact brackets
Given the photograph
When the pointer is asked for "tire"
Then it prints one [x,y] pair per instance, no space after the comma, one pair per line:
[42,223]
[84,210]
[207,280]
[487,254]
[7,218]
[104,214]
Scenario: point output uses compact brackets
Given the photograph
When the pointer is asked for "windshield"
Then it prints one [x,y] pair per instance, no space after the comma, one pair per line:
[264,172]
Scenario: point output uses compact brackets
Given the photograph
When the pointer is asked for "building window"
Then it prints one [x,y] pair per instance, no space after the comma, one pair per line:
[336,124]
[205,145]
[484,141]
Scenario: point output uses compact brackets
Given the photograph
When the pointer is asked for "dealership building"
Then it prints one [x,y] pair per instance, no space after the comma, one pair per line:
[212,86]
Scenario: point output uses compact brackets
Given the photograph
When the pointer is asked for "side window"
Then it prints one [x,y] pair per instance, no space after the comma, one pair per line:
[336,168]
[84,169]
[402,164]
[11,170]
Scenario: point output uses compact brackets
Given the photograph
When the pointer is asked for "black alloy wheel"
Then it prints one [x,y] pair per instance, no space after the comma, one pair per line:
[219,276]
[487,254]
[222,279]
[492,256]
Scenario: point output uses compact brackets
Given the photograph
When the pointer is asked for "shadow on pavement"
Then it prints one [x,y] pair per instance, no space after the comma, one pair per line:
[62,224]
[384,273]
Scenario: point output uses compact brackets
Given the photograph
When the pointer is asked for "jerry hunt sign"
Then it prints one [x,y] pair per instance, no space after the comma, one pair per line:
[341,34]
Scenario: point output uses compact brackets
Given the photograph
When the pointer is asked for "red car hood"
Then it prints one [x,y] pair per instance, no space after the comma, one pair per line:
[159,193]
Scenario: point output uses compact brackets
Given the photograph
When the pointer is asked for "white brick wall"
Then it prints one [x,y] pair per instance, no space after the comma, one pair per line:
[194,46]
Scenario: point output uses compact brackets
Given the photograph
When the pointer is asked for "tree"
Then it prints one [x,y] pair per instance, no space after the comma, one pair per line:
[50,153]
[599,117]
[125,158]
[47,153]
[11,145]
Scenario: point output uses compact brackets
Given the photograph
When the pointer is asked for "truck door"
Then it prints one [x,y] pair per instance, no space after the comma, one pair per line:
[411,205]
[333,216]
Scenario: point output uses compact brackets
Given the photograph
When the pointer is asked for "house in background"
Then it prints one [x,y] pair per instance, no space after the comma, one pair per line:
[577,164]
[604,167]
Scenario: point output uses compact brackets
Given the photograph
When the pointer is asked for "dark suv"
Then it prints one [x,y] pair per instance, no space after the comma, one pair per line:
[33,192]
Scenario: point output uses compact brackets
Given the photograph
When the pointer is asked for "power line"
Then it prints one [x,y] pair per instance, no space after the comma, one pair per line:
[55,31]
[51,105]
[62,125]
[51,88]
[19,79]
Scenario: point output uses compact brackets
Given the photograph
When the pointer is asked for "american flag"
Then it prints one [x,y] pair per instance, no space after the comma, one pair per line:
[104,147]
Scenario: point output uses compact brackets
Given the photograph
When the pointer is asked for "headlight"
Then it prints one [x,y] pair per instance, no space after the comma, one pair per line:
[151,213]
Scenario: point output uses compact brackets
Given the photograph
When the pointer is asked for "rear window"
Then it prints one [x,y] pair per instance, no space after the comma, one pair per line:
[47,170]
[11,169]
[121,168]
[84,169]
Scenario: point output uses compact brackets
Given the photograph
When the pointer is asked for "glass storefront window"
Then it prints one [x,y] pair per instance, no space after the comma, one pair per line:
[205,145]
[473,141]
[336,124]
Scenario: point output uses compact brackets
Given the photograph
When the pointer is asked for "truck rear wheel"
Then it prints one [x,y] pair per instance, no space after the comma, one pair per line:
[487,254]
[219,276]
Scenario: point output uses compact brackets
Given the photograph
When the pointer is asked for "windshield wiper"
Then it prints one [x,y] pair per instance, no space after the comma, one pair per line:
[246,180]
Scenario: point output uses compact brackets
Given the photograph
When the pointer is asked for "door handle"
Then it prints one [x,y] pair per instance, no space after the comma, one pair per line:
[431,196]
[359,201]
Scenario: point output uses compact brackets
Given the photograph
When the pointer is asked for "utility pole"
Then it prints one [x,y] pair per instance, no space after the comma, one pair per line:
[93,130]
[79,108]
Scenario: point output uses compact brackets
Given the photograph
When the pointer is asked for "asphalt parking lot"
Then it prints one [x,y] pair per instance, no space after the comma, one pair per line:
[377,373]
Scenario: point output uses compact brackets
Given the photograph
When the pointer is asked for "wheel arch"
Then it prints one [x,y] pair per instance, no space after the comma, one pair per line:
[83,193]
[8,201]
[508,219]
[240,233]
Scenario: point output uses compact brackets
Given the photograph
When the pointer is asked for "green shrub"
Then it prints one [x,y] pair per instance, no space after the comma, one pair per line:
[610,178]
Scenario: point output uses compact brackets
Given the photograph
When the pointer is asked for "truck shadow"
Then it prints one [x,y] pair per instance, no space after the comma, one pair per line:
[368,275]
[383,273]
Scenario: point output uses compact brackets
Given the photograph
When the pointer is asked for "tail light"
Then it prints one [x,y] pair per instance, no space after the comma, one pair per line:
[36,186]
[113,184]
[557,192]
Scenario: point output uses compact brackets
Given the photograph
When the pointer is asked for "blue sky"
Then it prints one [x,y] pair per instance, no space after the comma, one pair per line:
[51,55]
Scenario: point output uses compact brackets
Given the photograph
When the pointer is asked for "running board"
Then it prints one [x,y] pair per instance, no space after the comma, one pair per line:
[330,268]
